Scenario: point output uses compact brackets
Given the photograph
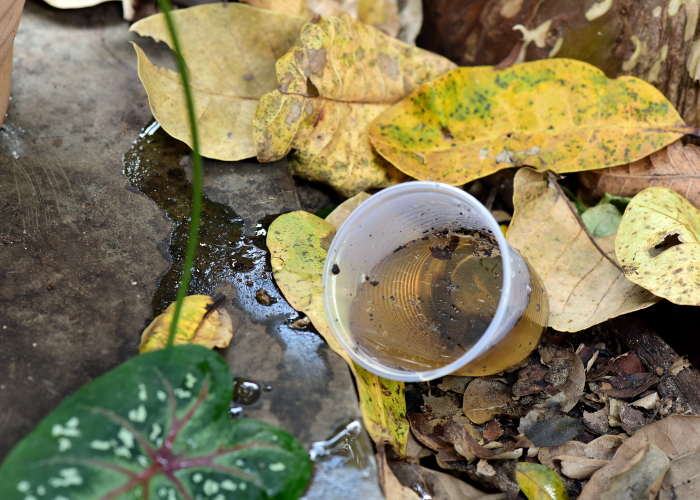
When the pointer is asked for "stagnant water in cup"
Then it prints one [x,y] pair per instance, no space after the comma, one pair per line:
[428,302]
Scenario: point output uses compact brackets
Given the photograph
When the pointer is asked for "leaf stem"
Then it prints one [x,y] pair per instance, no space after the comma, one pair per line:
[166,7]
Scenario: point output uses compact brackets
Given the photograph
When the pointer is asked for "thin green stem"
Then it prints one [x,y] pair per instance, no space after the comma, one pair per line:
[166,7]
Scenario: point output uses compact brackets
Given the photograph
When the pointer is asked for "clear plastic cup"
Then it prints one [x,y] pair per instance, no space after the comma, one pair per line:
[402,215]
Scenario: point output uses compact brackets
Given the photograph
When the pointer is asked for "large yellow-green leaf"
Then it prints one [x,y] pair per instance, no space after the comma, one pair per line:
[202,322]
[230,51]
[584,287]
[658,245]
[555,114]
[329,91]
[298,244]
[538,482]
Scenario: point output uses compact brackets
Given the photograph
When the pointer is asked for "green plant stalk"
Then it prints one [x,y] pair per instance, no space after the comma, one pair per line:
[580,207]
[166,7]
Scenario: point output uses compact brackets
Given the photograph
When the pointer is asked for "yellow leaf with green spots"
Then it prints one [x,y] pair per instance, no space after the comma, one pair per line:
[298,244]
[556,114]
[658,245]
[202,322]
[539,482]
[329,91]
[230,51]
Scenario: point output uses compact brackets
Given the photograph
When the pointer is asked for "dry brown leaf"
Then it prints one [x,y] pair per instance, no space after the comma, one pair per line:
[648,402]
[678,436]
[578,467]
[676,167]
[485,399]
[641,478]
[566,373]
[584,287]
[597,421]
[465,444]
[678,365]
[391,487]
[329,91]
[602,448]
[628,386]
[441,406]
[437,485]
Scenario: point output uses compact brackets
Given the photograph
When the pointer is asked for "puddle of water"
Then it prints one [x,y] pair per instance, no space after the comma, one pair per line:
[342,465]
[225,254]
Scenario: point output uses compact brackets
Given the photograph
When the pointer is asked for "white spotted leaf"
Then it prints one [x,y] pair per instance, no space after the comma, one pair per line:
[156,427]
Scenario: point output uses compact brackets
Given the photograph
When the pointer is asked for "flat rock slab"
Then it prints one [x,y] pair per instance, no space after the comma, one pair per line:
[81,255]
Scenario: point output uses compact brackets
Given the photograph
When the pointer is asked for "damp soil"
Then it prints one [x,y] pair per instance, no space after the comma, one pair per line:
[154,166]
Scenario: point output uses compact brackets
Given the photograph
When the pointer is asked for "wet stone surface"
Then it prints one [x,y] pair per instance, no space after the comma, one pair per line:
[87,257]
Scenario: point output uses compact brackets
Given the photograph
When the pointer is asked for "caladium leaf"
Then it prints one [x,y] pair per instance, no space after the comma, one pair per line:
[155,427]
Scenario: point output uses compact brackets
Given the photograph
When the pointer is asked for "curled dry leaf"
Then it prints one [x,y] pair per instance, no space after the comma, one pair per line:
[465,444]
[202,322]
[602,448]
[538,482]
[442,406]
[626,364]
[657,245]
[556,114]
[437,485]
[485,399]
[675,167]
[648,402]
[566,373]
[597,421]
[678,365]
[230,51]
[628,386]
[391,487]
[455,383]
[631,420]
[584,286]
[329,91]
[578,467]
[298,244]
[678,437]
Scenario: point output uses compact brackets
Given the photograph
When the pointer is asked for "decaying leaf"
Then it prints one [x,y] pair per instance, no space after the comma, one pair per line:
[579,467]
[600,449]
[556,114]
[341,212]
[584,286]
[156,423]
[437,485]
[678,437]
[485,399]
[391,487]
[441,406]
[597,421]
[329,91]
[566,373]
[641,478]
[626,364]
[460,437]
[678,365]
[455,383]
[631,420]
[298,244]
[657,245]
[538,482]
[555,432]
[382,14]
[628,386]
[202,322]
[675,167]
[230,51]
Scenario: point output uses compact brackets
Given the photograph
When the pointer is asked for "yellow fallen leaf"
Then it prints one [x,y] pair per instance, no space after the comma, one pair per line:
[538,482]
[298,244]
[329,91]
[382,14]
[658,245]
[556,114]
[202,322]
[341,212]
[584,287]
[230,51]
[292,7]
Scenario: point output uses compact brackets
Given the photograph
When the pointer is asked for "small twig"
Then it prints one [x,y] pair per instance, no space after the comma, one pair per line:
[554,177]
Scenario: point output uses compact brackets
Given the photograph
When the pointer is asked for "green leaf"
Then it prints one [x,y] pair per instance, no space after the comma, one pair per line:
[602,220]
[324,212]
[620,202]
[556,114]
[155,427]
[538,482]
